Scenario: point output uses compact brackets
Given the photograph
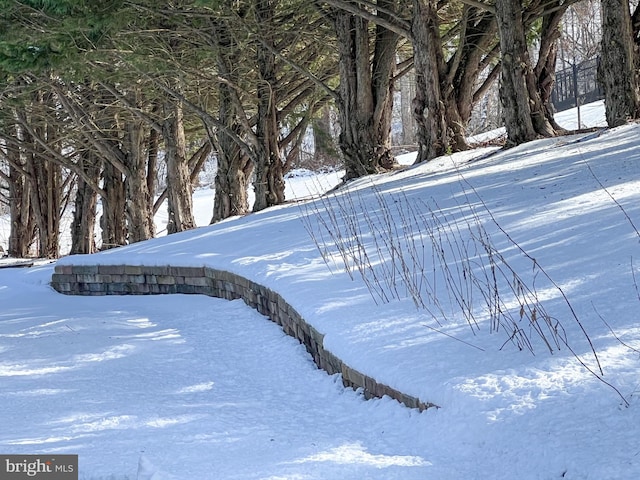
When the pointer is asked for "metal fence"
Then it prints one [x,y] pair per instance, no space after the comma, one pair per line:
[576,85]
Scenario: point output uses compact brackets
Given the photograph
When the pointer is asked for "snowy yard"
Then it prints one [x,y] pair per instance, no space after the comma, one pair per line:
[191,387]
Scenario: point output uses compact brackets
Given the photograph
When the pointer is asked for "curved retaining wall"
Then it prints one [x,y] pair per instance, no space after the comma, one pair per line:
[151,280]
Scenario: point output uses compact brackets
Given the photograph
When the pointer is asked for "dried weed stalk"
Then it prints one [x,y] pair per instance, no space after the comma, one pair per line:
[404,248]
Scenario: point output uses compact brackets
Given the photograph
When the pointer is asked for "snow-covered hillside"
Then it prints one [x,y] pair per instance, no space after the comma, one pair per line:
[501,286]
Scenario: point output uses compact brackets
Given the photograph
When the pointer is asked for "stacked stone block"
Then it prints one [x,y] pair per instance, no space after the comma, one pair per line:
[153,280]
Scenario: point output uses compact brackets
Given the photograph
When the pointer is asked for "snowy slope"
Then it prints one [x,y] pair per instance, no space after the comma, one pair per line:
[202,388]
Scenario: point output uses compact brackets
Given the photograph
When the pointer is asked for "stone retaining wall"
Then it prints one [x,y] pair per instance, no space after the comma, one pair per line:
[150,280]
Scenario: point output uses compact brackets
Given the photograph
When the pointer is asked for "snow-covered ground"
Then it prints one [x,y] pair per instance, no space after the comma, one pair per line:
[197,387]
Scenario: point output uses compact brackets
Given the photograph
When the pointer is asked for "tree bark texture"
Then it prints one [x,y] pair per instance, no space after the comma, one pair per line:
[85,203]
[153,146]
[618,68]
[234,165]
[112,220]
[475,53]
[383,83]
[44,176]
[269,162]
[429,109]
[524,114]
[407,94]
[179,189]
[366,95]
[139,207]
[545,69]
[22,220]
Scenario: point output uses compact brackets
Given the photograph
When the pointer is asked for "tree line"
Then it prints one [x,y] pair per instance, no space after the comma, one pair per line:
[94,96]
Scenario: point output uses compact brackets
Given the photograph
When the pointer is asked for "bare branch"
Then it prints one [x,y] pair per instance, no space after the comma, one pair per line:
[480,5]
[396,24]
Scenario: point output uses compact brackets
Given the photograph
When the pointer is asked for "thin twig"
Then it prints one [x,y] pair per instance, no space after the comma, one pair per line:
[624,212]
[454,338]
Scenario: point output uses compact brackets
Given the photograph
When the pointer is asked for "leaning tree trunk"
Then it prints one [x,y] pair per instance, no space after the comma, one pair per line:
[524,114]
[475,53]
[85,202]
[366,95]
[618,68]
[545,69]
[107,148]
[269,163]
[446,90]
[179,190]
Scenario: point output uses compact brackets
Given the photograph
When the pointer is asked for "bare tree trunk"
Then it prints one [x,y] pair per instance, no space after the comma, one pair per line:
[428,109]
[44,176]
[179,189]
[383,83]
[22,233]
[446,89]
[139,206]
[106,145]
[618,68]
[152,161]
[112,221]
[232,177]
[22,224]
[524,114]
[407,94]
[234,166]
[231,182]
[51,178]
[357,135]
[475,53]
[269,168]
[545,69]
[366,95]
[84,213]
